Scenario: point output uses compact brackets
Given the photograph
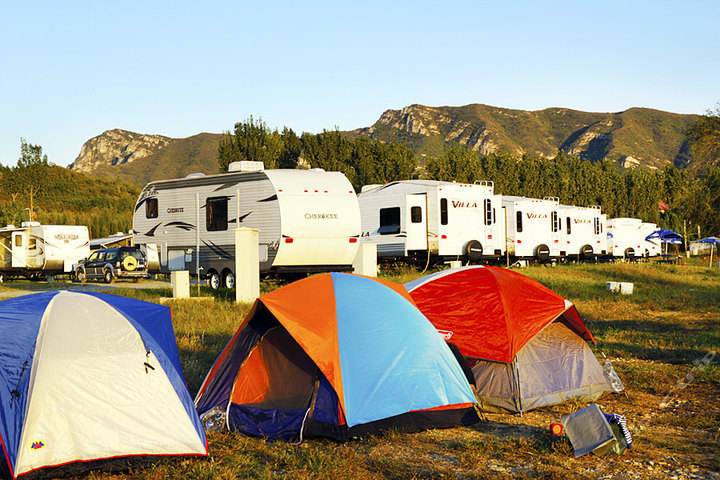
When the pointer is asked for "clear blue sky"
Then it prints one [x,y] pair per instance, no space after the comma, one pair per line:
[70,70]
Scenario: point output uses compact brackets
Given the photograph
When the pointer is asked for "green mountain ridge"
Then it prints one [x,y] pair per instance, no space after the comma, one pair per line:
[635,137]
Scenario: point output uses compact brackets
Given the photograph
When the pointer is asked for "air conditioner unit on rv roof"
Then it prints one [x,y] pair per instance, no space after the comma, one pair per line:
[246,166]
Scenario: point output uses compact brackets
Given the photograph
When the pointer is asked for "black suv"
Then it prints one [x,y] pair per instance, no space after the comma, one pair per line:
[112,263]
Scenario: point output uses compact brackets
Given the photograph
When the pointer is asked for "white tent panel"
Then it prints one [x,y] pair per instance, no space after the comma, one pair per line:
[91,396]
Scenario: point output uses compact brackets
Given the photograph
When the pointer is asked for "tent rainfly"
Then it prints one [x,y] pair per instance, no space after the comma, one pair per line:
[528,345]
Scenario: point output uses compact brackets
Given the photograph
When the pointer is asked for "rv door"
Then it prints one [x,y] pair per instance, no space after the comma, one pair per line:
[416,221]
[19,249]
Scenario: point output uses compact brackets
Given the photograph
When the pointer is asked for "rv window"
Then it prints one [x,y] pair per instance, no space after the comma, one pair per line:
[518,221]
[567,226]
[596,221]
[443,211]
[416,214]
[216,214]
[488,212]
[18,241]
[389,221]
[151,208]
[555,224]
[494,219]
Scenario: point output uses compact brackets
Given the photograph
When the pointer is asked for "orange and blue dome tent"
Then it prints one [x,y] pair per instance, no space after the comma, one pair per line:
[336,355]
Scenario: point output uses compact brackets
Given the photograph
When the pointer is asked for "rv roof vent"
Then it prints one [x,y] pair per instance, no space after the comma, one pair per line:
[372,186]
[30,224]
[10,225]
[246,166]
[317,169]
[195,175]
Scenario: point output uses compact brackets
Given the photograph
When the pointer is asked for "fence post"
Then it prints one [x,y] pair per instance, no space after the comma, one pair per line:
[247,264]
[365,262]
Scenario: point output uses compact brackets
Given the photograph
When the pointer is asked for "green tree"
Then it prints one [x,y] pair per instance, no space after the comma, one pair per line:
[251,140]
[31,155]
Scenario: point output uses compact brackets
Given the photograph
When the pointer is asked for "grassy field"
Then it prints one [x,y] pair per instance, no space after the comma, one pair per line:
[661,340]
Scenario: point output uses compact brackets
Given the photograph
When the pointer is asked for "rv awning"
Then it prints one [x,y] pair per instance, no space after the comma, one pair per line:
[665,236]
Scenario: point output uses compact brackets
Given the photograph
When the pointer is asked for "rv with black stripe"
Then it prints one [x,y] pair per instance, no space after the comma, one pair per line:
[308,221]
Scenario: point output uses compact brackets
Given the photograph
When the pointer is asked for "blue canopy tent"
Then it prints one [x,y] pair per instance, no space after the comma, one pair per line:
[665,237]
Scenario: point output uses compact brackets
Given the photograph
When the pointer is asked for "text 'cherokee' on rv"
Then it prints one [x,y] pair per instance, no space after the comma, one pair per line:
[446,220]
[309,221]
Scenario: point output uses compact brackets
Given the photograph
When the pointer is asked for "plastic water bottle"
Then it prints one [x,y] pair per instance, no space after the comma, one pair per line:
[612,376]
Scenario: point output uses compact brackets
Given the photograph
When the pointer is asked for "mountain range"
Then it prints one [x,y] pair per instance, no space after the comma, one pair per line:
[635,137]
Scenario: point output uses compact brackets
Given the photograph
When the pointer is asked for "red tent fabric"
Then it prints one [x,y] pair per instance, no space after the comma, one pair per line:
[491,312]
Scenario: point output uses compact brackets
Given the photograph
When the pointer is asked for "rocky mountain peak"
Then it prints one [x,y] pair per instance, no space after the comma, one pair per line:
[116,147]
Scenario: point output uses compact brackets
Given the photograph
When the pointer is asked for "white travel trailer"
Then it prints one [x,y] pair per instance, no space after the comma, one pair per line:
[417,218]
[584,232]
[625,238]
[309,221]
[650,248]
[534,229]
[33,250]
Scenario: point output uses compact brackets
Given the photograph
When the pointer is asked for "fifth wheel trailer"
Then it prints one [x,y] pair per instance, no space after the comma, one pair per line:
[423,219]
[33,250]
[309,221]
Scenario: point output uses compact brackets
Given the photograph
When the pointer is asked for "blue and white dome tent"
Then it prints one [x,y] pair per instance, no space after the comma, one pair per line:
[89,377]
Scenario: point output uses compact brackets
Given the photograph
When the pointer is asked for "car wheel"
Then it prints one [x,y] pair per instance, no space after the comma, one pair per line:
[228,279]
[108,276]
[213,280]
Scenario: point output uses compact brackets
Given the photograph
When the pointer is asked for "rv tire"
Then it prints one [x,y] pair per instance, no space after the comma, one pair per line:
[542,253]
[213,280]
[629,253]
[586,251]
[474,250]
[228,279]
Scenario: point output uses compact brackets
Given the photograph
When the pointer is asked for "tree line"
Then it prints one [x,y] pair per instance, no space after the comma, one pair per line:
[690,198]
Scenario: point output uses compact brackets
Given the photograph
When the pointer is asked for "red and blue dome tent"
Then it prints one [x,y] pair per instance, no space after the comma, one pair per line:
[336,355]
[527,345]
[86,378]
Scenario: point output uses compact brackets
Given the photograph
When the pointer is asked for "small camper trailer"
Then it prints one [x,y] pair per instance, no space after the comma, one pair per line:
[534,229]
[309,221]
[417,218]
[584,232]
[34,250]
[625,238]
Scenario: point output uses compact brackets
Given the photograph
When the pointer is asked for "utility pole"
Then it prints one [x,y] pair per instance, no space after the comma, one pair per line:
[687,252]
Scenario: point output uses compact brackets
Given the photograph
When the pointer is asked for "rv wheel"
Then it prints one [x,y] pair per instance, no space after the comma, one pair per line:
[474,250]
[629,252]
[542,252]
[108,276]
[586,251]
[228,279]
[213,280]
